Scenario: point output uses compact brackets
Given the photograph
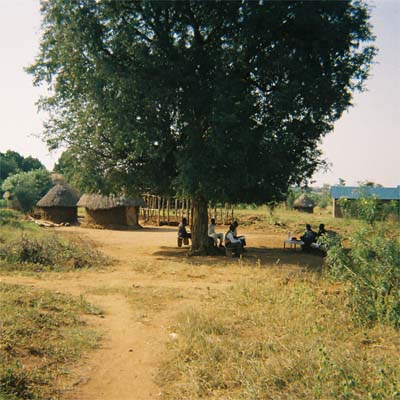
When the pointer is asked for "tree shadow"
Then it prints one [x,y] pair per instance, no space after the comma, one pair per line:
[255,256]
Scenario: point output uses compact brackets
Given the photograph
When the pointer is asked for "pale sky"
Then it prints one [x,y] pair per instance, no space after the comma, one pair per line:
[365,144]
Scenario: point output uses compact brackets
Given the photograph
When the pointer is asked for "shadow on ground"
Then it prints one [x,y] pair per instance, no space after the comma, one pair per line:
[255,256]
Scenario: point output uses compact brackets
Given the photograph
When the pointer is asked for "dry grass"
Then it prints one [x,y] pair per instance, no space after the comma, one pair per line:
[40,333]
[289,336]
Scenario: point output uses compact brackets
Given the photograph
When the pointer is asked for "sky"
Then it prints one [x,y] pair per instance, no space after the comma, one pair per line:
[365,144]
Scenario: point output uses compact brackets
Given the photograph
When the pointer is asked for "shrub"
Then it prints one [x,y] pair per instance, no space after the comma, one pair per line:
[10,217]
[48,253]
[28,187]
[372,267]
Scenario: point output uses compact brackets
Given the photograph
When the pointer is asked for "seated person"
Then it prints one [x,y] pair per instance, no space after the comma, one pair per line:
[182,233]
[322,236]
[321,230]
[215,236]
[308,238]
[233,241]
[242,238]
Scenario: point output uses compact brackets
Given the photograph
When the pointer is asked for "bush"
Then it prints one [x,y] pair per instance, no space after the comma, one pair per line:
[372,267]
[48,253]
[27,188]
[10,217]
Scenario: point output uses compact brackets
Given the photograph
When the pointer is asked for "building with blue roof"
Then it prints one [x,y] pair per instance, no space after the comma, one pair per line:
[356,192]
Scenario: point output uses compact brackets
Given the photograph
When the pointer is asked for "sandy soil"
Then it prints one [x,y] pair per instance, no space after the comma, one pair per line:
[150,282]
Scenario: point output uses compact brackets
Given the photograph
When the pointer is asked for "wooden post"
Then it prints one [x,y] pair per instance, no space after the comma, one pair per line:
[163,208]
[188,211]
[176,209]
[168,207]
[159,210]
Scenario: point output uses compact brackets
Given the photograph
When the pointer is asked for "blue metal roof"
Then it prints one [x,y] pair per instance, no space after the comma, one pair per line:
[355,192]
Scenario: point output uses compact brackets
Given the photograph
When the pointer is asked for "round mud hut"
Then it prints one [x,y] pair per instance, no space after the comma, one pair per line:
[59,205]
[304,204]
[111,211]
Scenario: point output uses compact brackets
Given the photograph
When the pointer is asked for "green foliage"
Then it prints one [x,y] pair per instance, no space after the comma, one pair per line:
[372,267]
[30,251]
[11,218]
[325,198]
[165,95]
[27,188]
[293,194]
[87,179]
[12,162]
[40,332]
[369,209]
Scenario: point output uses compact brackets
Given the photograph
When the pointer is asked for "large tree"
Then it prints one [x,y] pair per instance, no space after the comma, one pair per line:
[223,100]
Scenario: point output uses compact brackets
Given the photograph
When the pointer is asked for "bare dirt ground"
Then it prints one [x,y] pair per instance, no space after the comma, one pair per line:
[142,292]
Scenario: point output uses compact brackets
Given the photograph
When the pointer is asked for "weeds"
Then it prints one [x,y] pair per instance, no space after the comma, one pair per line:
[11,218]
[279,340]
[47,253]
[40,332]
[372,268]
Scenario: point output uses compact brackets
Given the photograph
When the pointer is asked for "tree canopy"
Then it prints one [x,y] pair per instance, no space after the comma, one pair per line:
[27,188]
[12,162]
[224,101]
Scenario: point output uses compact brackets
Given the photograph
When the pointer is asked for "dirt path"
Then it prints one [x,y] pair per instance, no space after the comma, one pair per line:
[124,367]
[141,294]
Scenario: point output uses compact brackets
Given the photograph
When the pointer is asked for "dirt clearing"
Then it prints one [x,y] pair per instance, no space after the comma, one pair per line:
[141,293]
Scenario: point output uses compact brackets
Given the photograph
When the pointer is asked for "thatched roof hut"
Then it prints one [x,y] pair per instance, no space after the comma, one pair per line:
[111,210]
[304,204]
[59,205]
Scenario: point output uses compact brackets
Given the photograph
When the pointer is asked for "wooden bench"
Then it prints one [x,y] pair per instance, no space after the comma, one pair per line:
[292,243]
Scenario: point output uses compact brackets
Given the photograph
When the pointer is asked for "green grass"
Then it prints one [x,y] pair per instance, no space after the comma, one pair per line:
[284,338]
[41,332]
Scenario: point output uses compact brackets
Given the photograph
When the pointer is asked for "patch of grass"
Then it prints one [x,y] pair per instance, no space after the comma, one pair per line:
[285,338]
[15,219]
[40,333]
[39,251]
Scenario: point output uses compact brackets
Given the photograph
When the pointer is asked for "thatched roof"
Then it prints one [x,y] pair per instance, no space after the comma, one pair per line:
[59,196]
[95,201]
[304,202]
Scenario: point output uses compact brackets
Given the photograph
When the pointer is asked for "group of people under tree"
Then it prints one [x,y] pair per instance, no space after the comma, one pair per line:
[232,240]
[310,237]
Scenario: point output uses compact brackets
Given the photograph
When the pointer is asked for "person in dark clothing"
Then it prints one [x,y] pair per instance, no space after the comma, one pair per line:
[308,238]
[321,230]
[182,233]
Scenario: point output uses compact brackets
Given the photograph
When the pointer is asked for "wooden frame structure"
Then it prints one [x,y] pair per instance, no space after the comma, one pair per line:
[160,210]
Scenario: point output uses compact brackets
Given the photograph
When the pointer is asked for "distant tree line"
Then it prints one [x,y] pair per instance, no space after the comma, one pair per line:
[25,179]
[12,163]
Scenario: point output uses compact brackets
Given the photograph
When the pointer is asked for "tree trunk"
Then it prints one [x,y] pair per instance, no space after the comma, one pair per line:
[199,227]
